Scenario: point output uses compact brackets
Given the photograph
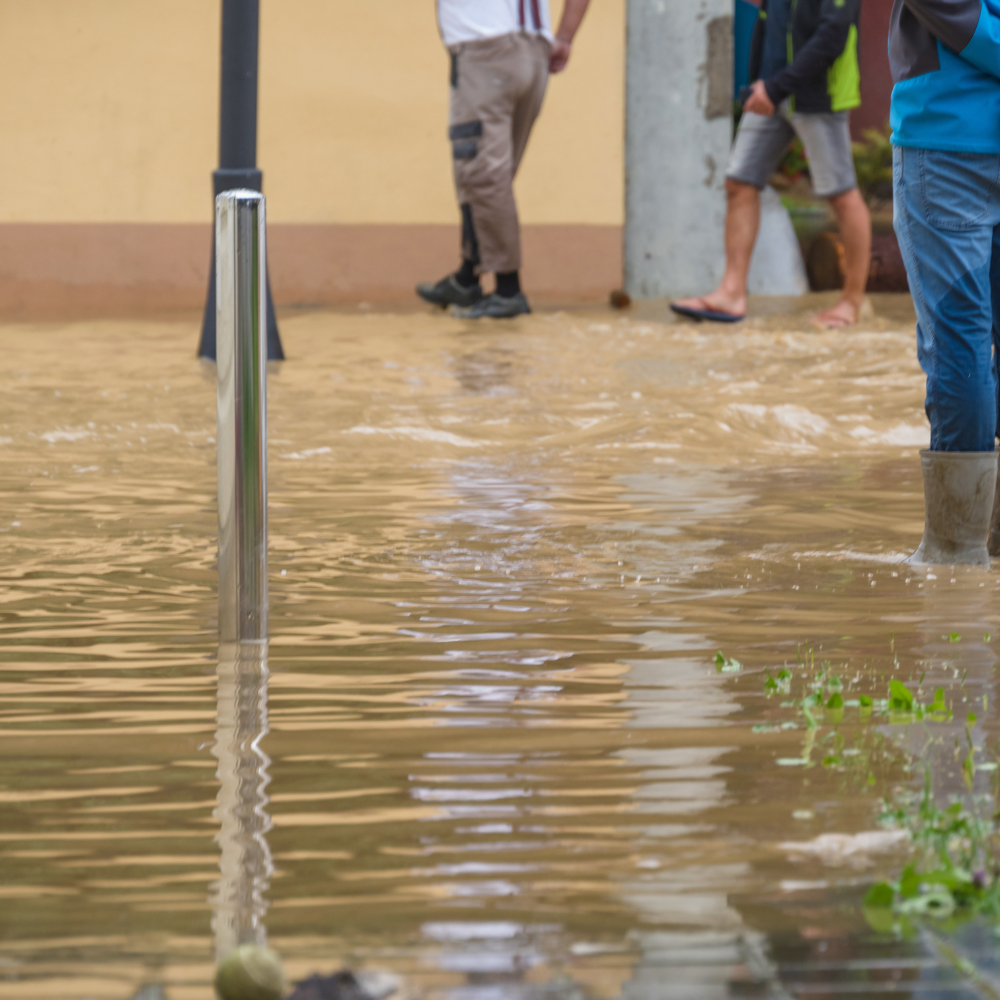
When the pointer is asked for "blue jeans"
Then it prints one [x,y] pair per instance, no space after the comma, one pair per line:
[947,219]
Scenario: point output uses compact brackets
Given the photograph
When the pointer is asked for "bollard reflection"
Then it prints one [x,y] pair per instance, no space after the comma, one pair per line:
[245,859]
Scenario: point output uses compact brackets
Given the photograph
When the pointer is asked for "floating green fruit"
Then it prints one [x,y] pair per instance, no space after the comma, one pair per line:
[251,972]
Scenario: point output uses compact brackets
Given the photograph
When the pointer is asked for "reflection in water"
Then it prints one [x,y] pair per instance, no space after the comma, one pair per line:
[955,629]
[485,372]
[245,858]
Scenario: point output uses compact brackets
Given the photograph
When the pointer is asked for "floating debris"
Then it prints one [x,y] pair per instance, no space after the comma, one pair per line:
[837,849]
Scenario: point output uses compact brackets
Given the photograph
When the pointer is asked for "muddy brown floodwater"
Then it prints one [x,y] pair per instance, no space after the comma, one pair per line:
[490,751]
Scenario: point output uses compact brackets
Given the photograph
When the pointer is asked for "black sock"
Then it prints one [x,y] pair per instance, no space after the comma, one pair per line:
[508,284]
[466,275]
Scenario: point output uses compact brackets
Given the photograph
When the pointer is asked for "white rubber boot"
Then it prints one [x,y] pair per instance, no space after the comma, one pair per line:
[959,489]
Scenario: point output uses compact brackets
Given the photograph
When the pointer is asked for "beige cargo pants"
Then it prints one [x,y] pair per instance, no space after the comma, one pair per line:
[497,89]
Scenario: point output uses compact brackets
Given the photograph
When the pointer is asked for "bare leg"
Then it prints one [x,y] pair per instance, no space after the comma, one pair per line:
[856,232]
[742,223]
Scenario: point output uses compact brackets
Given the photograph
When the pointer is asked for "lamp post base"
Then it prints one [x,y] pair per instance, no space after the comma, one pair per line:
[228,180]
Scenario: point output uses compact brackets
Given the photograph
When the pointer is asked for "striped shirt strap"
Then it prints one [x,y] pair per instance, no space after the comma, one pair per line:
[536,14]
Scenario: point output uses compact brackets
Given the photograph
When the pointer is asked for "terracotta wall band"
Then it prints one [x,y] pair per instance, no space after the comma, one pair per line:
[56,270]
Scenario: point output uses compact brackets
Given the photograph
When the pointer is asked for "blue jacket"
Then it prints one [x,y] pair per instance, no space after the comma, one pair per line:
[945,58]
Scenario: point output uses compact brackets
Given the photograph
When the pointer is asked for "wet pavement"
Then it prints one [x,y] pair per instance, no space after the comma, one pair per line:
[490,750]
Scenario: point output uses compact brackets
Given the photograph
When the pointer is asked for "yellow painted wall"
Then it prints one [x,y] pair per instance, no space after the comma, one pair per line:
[108,113]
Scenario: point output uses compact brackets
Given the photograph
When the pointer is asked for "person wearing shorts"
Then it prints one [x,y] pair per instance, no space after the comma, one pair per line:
[809,96]
[502,52]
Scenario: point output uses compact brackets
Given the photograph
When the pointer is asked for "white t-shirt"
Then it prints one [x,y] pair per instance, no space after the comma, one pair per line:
[468,20]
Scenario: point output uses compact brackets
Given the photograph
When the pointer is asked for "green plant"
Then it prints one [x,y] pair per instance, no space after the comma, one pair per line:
[725,665]
[795,163]
[953,852]
[956,873]
[873,164]
[822,699]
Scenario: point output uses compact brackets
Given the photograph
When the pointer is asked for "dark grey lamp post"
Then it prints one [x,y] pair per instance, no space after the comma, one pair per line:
[237,144]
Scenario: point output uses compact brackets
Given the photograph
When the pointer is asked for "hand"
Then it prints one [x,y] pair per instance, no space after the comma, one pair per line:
[758,101]
[559,55]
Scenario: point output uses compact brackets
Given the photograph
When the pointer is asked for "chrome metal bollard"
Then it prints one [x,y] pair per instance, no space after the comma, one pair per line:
[241,270]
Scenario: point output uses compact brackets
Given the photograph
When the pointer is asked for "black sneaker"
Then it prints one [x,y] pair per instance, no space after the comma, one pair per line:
[496,307]
[448,292]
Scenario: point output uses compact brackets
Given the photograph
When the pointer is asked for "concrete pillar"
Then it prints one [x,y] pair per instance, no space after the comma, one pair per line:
[679,104]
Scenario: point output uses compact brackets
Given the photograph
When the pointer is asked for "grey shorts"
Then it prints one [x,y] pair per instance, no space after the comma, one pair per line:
[761,142]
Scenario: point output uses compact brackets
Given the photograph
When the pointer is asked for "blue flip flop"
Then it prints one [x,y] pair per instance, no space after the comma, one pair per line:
[707,315]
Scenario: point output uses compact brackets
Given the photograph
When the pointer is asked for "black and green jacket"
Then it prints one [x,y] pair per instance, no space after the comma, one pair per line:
[822,74]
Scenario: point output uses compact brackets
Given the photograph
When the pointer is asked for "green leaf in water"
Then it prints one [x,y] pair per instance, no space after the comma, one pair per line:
[724,665]
[969,769]
[954,637]
[900,697]
[881,919]
[880,896]
[909,882]
[811,722]
[835,700]
[938,709]
[865,701]
[940,903]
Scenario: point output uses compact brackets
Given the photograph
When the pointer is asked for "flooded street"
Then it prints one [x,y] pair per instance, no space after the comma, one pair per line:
[490,751]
